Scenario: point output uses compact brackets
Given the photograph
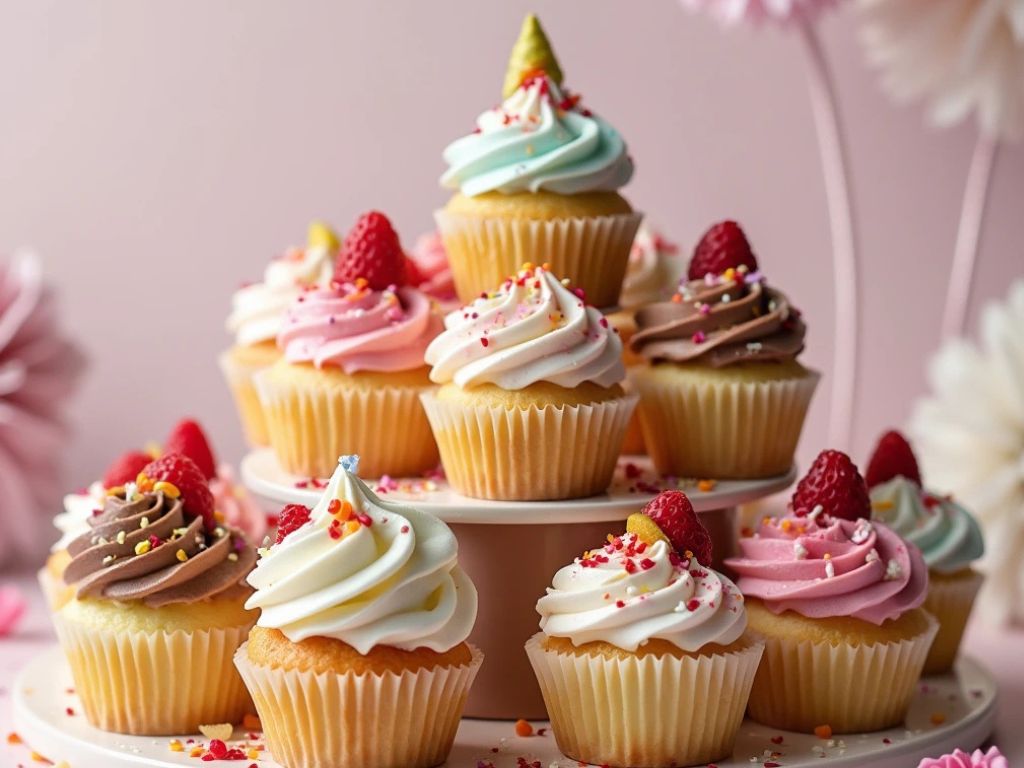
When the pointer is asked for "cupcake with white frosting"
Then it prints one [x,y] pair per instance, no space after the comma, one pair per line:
[364,618]
[257,311]
[531,404]
[948,536]
[639,640]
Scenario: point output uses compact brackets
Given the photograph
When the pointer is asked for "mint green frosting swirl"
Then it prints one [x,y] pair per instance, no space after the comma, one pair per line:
[947,534]
[538,139]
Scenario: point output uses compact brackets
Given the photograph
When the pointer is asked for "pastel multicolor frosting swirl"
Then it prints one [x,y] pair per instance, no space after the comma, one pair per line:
[532,329]
[630,592]
[355,328]
[947,534]
[367,572]
[539,138]
[654,270]
[257,309]
[144,547]
[821,566]
[721,320]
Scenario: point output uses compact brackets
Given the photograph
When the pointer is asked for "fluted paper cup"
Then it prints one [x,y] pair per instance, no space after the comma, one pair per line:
[388,720]
[591,251]
[697,425]
[802,684]
[155,683]
[239,375]
[529,454]
[950,598]
[311,425]
[645,710]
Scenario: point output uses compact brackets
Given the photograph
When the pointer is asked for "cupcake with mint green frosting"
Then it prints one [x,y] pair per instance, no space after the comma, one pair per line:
[537,180]
[948,536]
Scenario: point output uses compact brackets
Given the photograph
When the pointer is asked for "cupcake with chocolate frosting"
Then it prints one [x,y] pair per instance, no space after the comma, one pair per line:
[158,607]
[837,598]
[643,657]
[723,395]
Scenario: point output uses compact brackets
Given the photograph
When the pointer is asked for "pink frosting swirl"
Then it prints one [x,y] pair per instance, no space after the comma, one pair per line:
[823,566]
[431,261]
[358,329]
[960,759]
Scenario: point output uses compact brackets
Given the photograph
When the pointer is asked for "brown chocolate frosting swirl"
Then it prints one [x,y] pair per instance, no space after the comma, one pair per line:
[720,323]
[104,562]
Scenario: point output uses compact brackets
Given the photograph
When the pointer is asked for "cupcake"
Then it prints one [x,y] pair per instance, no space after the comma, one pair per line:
[947,535]
[158,608]
[652,275]
[722,368]
[360,655]
[531,405]
[537,180]
[255,319]
[79,509]
[643,658]
[428,270]
[353,368]
[837,599]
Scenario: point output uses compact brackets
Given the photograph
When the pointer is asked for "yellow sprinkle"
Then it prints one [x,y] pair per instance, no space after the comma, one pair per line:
[144,522]
[121,535]
[169,489]
[688,555]
[253,754]
[937,718]
[196,751]
[706,485]
[826,556]
[116,490]
[182,555]
[232,556]
[142,548]
[176,746]
[219,532]
[881,506]
[37,757]
[352,526]
[610,538]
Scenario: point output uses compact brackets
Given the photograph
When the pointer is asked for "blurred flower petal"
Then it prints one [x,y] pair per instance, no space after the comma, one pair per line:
[12,608]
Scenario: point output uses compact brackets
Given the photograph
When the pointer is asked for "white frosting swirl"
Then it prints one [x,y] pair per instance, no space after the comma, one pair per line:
[654,270]
[79,508]
[628,592]
[394,581]
[532,329]
[257,310]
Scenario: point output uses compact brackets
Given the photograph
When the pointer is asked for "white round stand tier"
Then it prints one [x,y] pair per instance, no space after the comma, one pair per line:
[956,710]
[262,475]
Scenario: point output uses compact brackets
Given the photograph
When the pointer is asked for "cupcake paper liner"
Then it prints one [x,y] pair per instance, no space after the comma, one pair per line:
[649,711]
[239,377]
[633,442]
[322,720]
[155,683]
[592,252]
[722,430]
[851,688]
[949,600]
[56,592]
[310,427]
[531,454]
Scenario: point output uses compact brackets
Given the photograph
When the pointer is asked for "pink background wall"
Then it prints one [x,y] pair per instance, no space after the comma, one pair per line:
[157,155]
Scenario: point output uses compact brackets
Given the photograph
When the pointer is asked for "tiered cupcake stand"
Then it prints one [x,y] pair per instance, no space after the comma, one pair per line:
[510,550]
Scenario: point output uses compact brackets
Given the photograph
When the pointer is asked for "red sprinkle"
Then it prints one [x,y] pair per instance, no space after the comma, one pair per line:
[693,604]
[484,340]
[620,604]
[647,563]
[218,749]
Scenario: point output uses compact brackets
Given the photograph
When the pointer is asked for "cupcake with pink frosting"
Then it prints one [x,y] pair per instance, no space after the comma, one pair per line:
[837,599]
[428,270]
[352,368]
[993,758]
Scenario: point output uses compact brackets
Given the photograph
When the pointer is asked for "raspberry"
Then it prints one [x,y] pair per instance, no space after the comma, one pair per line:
[413,274]
[125,468]
[371,251]
[721,247]
[292,517]
[893,457]
[833,482]
[674,515]
[182,472]
[188,438]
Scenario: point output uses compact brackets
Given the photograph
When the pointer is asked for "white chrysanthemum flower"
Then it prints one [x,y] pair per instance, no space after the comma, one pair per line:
[961,56]
[969,437]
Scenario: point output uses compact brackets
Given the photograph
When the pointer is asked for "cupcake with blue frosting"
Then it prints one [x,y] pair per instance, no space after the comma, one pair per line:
[948,536]
[538,180]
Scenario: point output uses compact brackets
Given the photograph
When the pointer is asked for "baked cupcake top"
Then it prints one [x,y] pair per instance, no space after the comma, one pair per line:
[533,328]
[826,558]
[947,534]
[368,319]
[540,137]
[653,582]
[364,571]
[157,541]
[653,272]
[723,313]
[258,308]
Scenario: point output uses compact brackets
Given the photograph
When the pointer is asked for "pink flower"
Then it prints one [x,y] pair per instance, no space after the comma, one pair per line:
[731,12]
[12,607]
[960,759]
